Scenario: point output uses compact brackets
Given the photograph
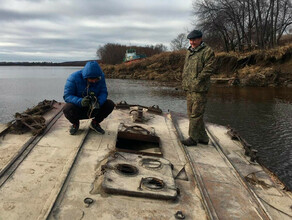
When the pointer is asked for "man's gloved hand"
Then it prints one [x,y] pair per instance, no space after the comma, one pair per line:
[85,101]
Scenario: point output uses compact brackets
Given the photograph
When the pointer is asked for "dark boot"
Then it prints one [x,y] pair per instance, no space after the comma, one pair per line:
[204,142]
[96,127]
[73,129]
[189,142]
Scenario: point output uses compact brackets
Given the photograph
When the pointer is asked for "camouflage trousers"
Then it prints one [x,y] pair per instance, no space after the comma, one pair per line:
[196,103]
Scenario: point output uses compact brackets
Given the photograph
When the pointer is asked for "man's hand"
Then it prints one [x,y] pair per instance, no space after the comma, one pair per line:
[85,101]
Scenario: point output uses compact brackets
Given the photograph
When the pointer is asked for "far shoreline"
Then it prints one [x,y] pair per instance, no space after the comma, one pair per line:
[67,63]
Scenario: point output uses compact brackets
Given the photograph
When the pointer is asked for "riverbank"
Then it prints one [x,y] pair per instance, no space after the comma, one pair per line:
[258,68]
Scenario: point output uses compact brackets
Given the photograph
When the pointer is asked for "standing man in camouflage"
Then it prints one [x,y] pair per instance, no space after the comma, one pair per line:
[198,67]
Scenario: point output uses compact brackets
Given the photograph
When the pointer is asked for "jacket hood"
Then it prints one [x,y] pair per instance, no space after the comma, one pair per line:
[91,70]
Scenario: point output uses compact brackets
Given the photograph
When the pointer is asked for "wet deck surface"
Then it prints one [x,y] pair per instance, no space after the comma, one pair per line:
[62,170]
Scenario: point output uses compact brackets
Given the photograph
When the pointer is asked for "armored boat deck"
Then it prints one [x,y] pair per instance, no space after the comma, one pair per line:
[54,175]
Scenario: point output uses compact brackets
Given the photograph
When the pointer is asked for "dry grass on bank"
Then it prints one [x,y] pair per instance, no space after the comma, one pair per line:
[165,66]
[276,52]
[259,67]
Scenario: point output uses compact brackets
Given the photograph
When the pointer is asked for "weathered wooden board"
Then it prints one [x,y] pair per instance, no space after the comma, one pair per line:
[12,145]
[33,188]
[226,197]
[275,200]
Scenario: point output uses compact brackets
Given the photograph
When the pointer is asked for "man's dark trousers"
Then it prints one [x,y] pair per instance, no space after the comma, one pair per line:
[75,113]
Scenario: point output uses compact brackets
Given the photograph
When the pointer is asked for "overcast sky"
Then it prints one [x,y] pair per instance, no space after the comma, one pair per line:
[67,30]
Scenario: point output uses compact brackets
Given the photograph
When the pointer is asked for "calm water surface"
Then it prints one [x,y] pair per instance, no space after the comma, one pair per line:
[263,116]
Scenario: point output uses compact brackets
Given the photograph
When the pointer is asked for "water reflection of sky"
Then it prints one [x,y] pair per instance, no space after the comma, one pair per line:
[146,93]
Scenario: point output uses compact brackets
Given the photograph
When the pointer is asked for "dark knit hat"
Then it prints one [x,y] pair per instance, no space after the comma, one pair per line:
[195,34]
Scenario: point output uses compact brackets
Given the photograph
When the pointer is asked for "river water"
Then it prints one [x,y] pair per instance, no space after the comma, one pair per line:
[263,116]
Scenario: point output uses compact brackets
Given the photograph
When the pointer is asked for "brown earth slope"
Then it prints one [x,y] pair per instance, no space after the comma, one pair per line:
[257,68]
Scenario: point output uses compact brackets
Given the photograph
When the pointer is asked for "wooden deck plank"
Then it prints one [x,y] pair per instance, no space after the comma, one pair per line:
[3,127]
[40,176]
[226,196]
[276,201]
[12,145]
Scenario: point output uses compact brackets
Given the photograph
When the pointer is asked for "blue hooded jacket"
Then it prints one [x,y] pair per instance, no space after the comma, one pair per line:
[77,87]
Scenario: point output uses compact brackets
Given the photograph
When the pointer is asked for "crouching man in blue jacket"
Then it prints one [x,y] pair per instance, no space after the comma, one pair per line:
[85,95]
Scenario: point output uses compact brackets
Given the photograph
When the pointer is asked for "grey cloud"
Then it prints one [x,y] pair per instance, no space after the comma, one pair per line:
[76,28]
[12,15]
[9,15]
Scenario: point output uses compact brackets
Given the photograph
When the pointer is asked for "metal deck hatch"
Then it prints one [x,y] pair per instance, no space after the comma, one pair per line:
[139,140]
[137,175]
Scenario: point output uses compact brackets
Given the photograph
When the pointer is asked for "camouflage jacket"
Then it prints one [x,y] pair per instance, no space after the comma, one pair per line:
[198,67]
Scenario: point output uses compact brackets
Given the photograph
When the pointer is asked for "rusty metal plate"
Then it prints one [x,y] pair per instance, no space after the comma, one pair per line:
[137,175]
[139,140]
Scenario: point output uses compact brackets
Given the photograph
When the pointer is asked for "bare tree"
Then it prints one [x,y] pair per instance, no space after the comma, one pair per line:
[284,18]
[179,43]
[244,23]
